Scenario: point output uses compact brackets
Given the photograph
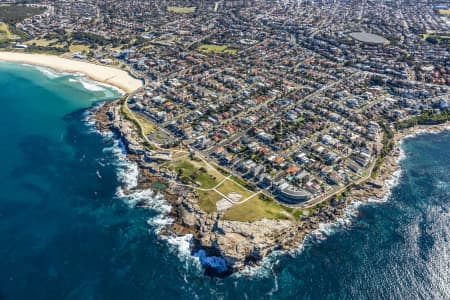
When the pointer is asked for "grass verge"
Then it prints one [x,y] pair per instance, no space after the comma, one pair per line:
[228,187]
[255,209]
[191,173]
[209,48]
[181,9]
[207,200]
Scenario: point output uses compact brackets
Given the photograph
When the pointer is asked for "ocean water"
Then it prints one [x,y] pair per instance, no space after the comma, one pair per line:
[67,231]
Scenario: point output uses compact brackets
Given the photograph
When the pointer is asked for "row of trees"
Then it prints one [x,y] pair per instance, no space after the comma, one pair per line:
[388,145]
[426,118]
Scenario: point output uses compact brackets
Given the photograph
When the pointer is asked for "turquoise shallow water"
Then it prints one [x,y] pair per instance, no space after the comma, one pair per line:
[65,234]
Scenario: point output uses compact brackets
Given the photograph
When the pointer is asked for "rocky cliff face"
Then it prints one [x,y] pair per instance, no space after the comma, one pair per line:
[227,246]
[239,243]
[242,244]
[223,246]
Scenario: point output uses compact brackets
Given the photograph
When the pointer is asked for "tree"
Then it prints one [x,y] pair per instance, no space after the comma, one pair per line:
[432,40]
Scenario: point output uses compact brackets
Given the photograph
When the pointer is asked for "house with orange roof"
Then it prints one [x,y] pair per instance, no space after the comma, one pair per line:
[218,151]
[278,160]
[292,169]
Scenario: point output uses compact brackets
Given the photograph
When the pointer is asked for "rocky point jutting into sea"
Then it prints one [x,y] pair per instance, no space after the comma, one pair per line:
[225,246]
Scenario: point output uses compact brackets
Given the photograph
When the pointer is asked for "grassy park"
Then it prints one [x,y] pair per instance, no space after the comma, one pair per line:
[257,208]
[196,172]
[45,43]
[229,186]
[78,48]
[210,48]
[147,125]
[181,9]
[6,34]
[207,200]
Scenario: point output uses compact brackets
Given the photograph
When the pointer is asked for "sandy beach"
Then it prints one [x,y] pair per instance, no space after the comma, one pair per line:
[104,74]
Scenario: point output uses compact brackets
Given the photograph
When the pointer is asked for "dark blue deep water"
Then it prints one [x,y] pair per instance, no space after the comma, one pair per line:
[64,234]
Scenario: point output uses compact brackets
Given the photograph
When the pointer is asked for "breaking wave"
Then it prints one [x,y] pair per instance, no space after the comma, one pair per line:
[127,174]
[95,86]
[87,83]
[48,72]
[351,211]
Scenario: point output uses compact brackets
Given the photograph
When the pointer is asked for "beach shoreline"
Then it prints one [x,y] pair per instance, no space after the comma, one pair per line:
[185,215]
[103,74]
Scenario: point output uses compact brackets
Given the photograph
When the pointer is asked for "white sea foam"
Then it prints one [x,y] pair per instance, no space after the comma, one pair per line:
[265,268]
[327,229]
[111,87]
[88,119]
[181,246]
[87,83]
[351,211]
[93,85]
[218,263]
[27,65]
[128,173]
[50,73]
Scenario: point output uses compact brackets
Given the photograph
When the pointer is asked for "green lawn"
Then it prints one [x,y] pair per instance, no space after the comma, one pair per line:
[181,9]
[209,48]
[5,33]
[437,37]
[40,42]
[255,209]
[188,170]
[244,183]
[297,213]
[78,48]
[207,200]
[228,187]
[147,125]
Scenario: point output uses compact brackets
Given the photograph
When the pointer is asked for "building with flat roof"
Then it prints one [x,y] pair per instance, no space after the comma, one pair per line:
[292,195]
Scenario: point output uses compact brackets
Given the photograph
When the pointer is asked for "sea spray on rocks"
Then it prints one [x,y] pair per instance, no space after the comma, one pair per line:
[128,173]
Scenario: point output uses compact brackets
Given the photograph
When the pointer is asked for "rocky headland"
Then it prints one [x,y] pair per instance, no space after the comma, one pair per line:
[239,244]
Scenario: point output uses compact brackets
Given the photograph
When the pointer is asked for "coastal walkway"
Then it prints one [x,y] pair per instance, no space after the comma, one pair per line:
[199,155]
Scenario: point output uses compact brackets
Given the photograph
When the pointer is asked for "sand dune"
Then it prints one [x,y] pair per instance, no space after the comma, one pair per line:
[109,75]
